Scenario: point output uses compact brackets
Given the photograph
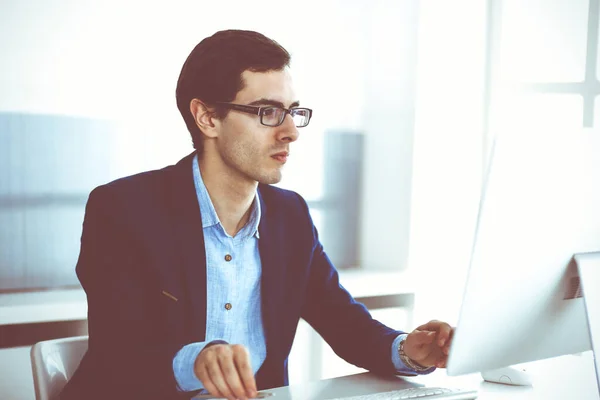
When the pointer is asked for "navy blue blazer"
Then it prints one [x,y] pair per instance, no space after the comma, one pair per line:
[142,236]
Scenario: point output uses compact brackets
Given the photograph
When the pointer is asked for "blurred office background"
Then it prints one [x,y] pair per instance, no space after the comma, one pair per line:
[406,97]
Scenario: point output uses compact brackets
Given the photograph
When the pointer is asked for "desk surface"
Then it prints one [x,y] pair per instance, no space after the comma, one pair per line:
[567,377]
[43,306]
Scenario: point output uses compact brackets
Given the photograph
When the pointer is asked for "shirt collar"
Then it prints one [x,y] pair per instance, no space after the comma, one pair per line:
[207,209]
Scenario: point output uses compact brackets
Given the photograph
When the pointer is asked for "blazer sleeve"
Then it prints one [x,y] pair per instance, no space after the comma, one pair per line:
[345,324]
[127,356]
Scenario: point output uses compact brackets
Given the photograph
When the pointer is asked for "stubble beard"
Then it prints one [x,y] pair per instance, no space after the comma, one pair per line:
[246,162]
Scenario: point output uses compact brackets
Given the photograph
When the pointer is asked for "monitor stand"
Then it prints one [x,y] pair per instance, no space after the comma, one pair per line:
[508,376]
[588,270]
[588,267]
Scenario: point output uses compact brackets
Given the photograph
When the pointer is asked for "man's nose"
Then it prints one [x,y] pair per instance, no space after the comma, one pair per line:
[289,131]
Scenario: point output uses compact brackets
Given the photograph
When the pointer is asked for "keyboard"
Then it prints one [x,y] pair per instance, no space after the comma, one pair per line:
[425,393]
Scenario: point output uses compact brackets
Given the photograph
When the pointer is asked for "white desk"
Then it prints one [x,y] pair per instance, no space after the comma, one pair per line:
[564,378]
[43,306]
[381,289]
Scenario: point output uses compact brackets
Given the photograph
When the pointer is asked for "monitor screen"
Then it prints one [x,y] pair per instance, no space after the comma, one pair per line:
[539,207]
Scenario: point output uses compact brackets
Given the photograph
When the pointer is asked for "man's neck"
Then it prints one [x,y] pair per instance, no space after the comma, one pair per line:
[231,195]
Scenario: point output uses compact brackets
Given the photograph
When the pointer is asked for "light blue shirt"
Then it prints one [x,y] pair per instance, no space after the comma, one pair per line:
[234,284]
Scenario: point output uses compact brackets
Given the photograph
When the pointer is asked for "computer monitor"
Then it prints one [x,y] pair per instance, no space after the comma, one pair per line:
[540,206]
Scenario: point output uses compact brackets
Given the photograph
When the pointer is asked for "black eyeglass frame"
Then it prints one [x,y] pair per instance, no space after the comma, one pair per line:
[260,111]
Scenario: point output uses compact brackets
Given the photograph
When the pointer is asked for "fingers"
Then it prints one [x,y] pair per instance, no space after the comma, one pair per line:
[418,337]
[230,374]
[446,347]
[202,374]
[418,347]
[242,362]
[444,331]
[218,379]
[225,371]
[443,360]
[430,343]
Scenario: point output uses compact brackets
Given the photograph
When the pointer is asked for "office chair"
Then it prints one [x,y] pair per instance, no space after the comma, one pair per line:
[53,363]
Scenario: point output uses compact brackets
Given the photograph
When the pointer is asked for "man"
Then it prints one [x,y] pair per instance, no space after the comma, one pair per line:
[197,274]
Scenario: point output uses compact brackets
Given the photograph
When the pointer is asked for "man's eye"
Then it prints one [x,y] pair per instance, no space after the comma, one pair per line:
[268,112]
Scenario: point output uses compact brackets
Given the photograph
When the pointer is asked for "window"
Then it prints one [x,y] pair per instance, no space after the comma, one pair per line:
[546,56]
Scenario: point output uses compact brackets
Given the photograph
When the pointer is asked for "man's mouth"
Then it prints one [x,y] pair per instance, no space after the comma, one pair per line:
[281,157]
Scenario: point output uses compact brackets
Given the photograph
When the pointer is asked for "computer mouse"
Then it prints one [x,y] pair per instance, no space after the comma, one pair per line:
[508,376]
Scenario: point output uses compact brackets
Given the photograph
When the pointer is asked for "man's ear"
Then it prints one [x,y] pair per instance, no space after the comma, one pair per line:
[204,117]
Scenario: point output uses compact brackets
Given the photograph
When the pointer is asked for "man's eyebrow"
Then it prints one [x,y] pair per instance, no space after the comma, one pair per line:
[269,102]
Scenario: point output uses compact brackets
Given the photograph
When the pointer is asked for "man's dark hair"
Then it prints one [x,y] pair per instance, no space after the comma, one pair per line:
[213,71]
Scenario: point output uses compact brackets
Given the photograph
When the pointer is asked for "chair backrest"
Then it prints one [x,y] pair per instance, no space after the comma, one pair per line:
[53,363]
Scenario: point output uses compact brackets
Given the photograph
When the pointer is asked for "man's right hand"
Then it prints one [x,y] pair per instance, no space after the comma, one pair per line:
[225,371]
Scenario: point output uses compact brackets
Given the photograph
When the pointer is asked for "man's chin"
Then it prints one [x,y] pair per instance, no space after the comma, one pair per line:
[270,179]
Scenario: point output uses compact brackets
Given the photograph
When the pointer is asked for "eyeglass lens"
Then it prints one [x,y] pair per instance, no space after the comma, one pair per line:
[274,116]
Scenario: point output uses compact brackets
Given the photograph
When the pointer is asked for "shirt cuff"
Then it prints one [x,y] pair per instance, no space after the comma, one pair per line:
[183,365]
[402,368]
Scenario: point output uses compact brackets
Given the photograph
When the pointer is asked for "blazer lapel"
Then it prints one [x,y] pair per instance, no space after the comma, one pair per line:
[272,280]
[189,242]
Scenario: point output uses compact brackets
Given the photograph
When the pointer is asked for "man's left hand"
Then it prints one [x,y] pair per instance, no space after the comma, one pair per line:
[429,344]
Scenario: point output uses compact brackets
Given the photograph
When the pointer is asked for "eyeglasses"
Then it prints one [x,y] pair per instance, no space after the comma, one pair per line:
[272,115]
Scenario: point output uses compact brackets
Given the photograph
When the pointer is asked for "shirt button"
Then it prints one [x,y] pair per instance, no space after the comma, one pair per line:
[228,257]
[228,306]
